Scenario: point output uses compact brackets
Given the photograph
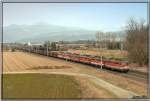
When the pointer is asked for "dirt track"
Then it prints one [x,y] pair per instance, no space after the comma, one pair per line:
[24,62]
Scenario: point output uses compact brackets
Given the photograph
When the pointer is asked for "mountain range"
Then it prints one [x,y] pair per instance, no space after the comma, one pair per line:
[40,32]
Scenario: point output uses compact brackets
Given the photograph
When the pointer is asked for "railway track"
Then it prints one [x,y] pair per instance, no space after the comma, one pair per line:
[132,75]
[141,77]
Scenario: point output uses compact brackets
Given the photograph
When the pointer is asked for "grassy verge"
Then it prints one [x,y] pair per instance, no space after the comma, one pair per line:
[39,86]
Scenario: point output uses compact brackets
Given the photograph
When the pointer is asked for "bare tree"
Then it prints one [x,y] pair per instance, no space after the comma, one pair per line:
[136,41]
[100,39]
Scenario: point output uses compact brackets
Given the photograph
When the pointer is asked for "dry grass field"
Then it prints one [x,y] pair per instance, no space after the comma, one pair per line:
[26,63]
[40,86]
[19,61]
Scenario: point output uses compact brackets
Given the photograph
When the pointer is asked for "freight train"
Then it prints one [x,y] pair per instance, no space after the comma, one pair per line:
[95,61]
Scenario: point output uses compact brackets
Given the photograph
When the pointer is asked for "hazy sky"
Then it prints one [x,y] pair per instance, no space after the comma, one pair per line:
[92,16]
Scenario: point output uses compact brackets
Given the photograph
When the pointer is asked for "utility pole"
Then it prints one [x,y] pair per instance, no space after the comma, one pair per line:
[101,47]
[99,38]
[47,49]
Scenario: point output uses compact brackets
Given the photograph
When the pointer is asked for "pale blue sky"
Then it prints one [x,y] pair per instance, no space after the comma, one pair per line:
[92,16]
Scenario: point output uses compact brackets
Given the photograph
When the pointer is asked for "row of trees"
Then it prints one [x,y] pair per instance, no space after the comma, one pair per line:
[54,46]
[50,46]
[109,40]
